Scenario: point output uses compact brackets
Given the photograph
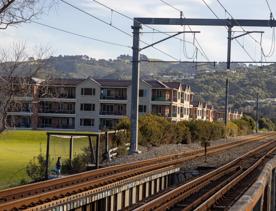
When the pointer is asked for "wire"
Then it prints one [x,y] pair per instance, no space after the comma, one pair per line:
[130,18]
[115,27]
[148,26]
[268,5]
[170,5]
[80,35]
[93,16]
[271,51]
[202,52]
[226,27]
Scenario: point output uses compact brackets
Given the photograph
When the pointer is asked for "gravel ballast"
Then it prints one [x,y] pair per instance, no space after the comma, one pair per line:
[152,152]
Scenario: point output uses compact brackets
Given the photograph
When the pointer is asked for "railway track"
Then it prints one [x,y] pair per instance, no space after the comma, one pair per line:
[218,189]
[27,196]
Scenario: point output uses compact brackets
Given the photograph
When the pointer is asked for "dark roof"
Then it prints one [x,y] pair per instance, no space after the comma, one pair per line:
[113,82]
[65,81]
[156,84]
[173,85]
[196,103]
[185,86]
[210,106]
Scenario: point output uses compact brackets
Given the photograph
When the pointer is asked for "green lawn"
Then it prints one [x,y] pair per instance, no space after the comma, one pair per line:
[18,147]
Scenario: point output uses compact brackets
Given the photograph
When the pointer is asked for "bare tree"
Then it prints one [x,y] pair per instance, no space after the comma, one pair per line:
[13,12]
[17,77]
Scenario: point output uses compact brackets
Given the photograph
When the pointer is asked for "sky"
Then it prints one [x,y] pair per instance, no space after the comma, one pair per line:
[212,39]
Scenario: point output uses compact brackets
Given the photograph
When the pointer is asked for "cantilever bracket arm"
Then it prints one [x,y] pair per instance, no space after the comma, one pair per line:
[246,33]
[165,39]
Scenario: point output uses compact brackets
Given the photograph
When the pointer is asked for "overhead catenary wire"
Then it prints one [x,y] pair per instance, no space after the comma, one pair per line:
[271,51]
[269,8]
[115,27]
[202,52]
[80,35]
[150,27]
[213,12]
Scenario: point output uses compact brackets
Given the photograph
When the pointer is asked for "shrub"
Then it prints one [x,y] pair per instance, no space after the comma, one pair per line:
[182,133]
[36,168]
[217,130]
[232,129]
[199,130]
[250,122]
[79,164]
[265,123]
[152,130]
[244,127]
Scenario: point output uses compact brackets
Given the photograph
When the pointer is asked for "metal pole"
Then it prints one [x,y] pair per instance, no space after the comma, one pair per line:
[106,153]
[71,151]
[92,157]
[257,113]
[226,102]
[229,38]
[228,68]
[97,152]
[47,156]
[135,89]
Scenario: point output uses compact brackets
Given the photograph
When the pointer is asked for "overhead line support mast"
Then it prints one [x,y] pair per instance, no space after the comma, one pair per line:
[137,25]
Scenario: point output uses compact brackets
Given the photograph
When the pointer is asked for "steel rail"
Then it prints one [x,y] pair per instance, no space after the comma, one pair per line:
[27,195]
[49,185]
[170,198]
[221,192]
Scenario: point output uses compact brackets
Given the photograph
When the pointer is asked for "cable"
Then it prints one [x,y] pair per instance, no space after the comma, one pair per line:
[115,27]
[150,27]
[130,18]
[268,5]
[80,35]
[273,31]
[202,52]
[226,27]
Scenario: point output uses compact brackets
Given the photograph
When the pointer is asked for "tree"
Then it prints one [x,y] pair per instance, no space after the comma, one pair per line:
[13,12]
[17,77]
[36,168]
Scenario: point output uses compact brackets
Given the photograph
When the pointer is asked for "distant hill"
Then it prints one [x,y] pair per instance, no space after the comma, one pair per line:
[206,80]
[120,68]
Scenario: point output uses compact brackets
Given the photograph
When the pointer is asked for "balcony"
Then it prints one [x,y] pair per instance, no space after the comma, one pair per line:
[46,111]
[113,94]
[106,97]
[174,114]
[57,123]
[160,98]
[119,113]
[113,109]
[58,92]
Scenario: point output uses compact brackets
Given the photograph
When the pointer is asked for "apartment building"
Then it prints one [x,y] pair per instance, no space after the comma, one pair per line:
[96,104]
[206,112]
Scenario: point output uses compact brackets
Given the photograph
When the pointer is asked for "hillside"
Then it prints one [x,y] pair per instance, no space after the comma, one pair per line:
[207,81]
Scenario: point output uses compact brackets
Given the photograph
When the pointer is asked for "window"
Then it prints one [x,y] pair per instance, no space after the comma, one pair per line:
[88,91]
[142,108]
[86,122]
[142,93]
[87,107]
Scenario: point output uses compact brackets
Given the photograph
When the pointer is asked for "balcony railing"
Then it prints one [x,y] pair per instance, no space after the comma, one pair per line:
[56,95]
[105,97]
[56,126]
[112,112]
[160,98]
[20,110]
[57,111]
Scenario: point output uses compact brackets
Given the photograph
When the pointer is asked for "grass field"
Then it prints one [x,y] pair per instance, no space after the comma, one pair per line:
[18,147]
